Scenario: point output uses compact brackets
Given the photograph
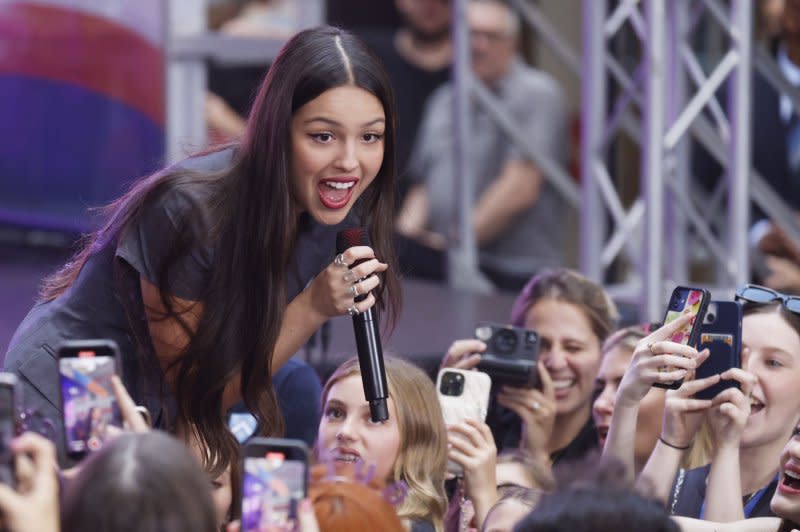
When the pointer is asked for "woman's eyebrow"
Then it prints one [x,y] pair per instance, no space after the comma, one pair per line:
[335,123]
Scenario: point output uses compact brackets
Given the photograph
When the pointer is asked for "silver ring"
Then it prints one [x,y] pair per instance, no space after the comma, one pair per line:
[349,276]
[650,348]
[353,310]
[339,260]
[536,405]
[354,290]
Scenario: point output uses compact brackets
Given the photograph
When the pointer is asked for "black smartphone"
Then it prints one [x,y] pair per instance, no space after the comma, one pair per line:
[511,355]
[275,480]
[685,299]
[721,334]
[9,399]
[88,404]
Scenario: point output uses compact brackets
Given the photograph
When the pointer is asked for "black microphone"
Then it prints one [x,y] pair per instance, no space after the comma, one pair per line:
[368,338]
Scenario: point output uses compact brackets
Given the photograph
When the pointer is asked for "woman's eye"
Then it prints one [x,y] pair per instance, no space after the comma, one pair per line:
[334,413]
[322,137]
[372,137]
[772,363]
[216,484]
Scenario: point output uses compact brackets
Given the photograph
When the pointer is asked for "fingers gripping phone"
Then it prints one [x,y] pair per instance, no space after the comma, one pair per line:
[9,400]
[721,334]
[462,395]
[275,480]
[685,299]
[88,403]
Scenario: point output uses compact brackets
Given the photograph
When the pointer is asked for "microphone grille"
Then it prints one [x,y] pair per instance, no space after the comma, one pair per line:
[347,238]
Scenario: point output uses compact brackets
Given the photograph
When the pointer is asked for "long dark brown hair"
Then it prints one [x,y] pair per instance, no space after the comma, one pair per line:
[249,221]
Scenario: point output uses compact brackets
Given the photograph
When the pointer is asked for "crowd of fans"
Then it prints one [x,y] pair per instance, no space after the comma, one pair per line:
[544,471]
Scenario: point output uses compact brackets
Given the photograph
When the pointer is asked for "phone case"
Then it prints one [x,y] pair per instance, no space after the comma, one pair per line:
[274,481]
[471,403]
[88,404]
[9,401]
[721,334]
[685,299]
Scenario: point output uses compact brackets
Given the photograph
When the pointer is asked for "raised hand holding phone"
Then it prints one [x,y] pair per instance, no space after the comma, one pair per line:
[462,395]
[684,300]
[88,401]
[652,355]
[274,483]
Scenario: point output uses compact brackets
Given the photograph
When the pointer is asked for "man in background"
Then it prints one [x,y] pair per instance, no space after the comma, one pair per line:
[518,216]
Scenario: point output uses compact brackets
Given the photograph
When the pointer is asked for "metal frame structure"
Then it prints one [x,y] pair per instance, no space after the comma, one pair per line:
[669,107]
[675,99]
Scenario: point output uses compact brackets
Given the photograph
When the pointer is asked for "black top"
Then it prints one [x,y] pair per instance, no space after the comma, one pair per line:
[689,492]
[507,431]
[412,86]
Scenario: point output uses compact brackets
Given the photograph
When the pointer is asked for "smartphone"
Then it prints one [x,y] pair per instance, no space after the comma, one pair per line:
[462,395]
[721,334]
[9,399]
[685,299]
[88,404]
[511,355]
[275,480]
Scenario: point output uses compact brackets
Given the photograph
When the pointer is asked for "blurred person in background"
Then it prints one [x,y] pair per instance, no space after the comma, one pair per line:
[518,216]
[417,57]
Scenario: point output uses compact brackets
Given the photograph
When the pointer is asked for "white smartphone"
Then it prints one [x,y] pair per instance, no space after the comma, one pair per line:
[462,395]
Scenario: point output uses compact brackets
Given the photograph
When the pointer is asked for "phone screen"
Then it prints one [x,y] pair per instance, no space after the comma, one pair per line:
[7,433]
[683,302]
[273,486]
[88,399]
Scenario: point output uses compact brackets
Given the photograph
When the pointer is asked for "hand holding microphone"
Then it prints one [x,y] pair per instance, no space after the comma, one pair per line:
[365,323]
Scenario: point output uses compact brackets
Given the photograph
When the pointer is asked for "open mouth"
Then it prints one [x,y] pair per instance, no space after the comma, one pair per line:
[790,482]
[347,457]
[563,384]
[336,193]
[756,406]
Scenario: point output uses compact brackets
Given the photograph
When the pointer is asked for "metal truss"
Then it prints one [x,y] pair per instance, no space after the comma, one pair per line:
[673,93]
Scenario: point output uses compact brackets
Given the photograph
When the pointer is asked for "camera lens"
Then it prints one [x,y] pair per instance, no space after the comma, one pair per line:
[505,341]
[711,317]
[452,384]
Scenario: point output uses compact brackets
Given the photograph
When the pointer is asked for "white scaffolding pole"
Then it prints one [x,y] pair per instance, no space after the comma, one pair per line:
[652,172]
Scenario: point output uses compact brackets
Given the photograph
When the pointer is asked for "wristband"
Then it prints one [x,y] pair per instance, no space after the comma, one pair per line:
[668,444]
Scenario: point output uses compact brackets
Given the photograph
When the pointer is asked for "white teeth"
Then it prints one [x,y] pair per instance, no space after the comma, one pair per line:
[561,385]
[791,474]
[339,185]
[346,457]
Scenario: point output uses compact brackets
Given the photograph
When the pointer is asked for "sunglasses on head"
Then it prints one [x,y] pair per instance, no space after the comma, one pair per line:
[761,295]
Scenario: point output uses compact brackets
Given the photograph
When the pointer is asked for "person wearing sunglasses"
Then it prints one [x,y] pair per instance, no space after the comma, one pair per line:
[750,425]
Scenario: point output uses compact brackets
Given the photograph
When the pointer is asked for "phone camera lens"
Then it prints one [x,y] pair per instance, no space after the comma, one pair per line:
[452,384]
[711,317]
